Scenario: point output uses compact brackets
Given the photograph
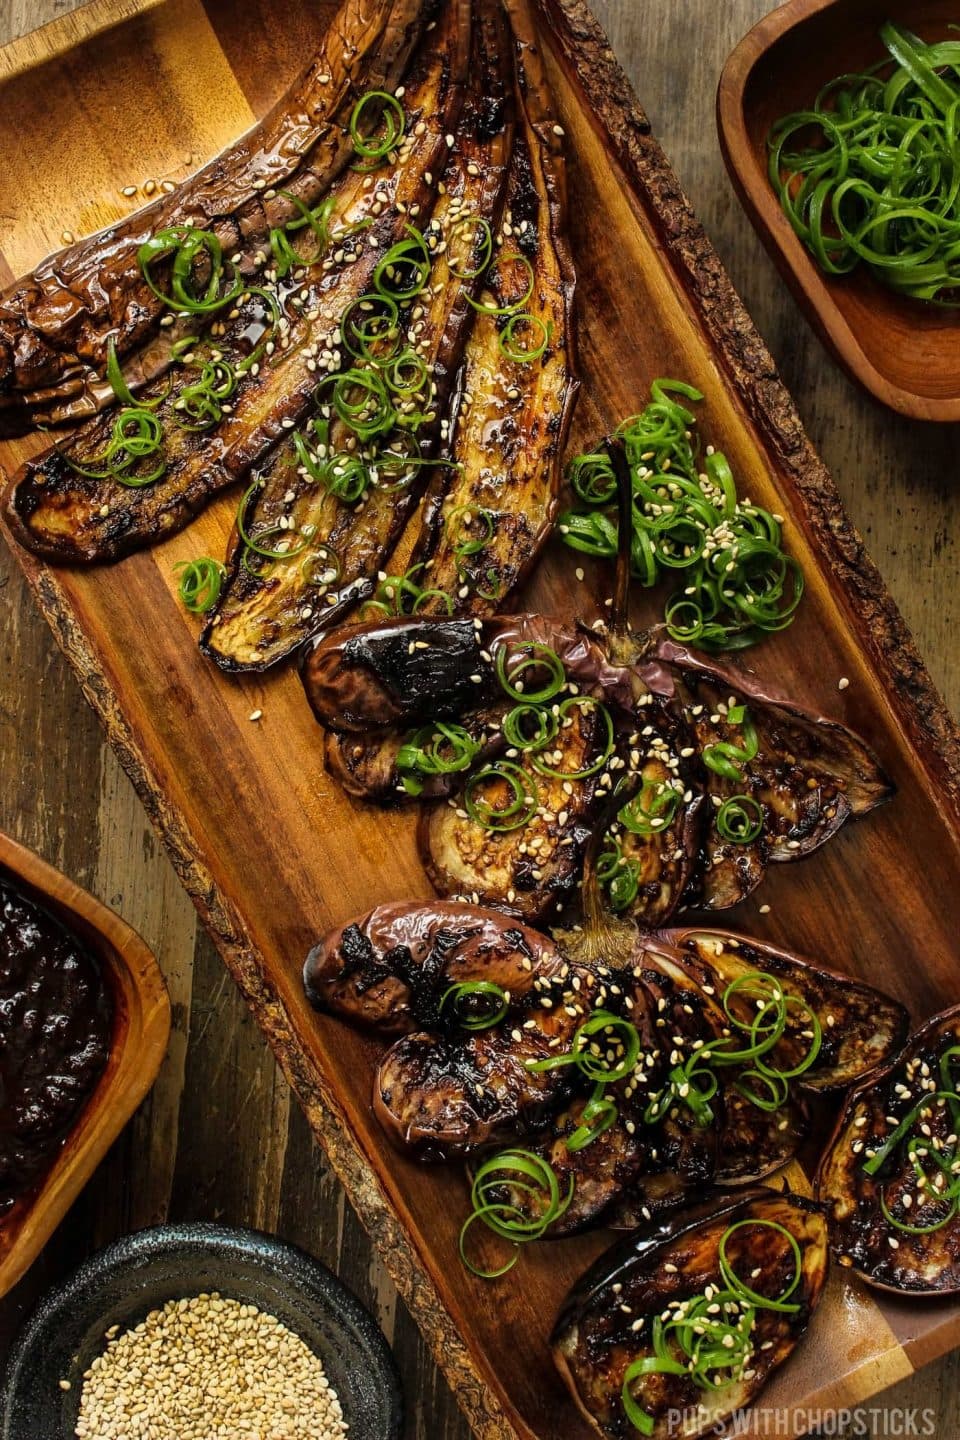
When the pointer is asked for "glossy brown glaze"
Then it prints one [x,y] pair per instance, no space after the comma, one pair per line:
[261,617]
[441,1091]
[55,1031]
[862,1236]
[56,322]
[860,1026]
[606,1322]
[68,516]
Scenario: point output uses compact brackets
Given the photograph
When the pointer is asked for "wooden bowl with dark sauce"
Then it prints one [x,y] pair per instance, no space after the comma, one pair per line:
[905,352]
[138,1031]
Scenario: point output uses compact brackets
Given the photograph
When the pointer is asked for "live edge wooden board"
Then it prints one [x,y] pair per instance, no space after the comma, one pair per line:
[270,850]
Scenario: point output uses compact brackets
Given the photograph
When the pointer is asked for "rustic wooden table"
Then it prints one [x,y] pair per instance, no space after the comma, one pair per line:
[219,1137]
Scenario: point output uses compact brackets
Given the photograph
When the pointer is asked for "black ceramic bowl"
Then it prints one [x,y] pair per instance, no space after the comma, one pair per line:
[122,1283]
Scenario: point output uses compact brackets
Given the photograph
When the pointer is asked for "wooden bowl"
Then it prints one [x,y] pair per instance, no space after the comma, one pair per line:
[141,1026]
[905,352]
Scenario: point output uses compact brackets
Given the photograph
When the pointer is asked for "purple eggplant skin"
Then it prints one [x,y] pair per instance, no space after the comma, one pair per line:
[410,671]
[595,1340]
[861,1026]
[386,970]
[441,1091]
[810,776]
[861,1236]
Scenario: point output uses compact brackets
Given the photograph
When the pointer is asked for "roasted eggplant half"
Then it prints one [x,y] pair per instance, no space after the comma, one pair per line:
[859,1027]
[355,497]
[68,504]
[780,779]
[454,1081]
[56,323]
[685,1321]
[890,1176]
[486,520]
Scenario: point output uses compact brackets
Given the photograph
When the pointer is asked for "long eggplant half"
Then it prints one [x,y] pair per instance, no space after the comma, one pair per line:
[808,774]
[860,1027]
[890,1176]
[55,323]
[486,521]
[265,613]
[64,515]
[442,1090]
[609,1320]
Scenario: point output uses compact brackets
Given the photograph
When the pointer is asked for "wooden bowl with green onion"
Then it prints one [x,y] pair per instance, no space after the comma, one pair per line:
[904,350]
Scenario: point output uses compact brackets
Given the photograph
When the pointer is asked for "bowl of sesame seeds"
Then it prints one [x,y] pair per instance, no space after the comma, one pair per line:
[200,1332]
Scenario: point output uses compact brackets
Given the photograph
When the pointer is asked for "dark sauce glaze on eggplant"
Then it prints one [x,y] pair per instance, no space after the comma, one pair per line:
[605,1323]
[886,1256]
[55,1030]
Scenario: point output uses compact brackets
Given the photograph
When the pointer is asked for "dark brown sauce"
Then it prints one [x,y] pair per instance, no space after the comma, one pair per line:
[55,1029]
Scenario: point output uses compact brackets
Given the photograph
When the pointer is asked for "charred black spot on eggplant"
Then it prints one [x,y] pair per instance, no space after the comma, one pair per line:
[891,1173]
[763,1256]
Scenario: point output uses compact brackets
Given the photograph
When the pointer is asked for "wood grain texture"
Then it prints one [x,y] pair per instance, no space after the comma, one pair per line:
[244,1152]
[906,355]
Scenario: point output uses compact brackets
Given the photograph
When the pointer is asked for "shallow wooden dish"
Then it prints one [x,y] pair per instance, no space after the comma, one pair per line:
[141,1026]
[272,851]
[905,352]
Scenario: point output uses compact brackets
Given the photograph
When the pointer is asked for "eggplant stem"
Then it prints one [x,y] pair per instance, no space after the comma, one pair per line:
[620,612]
[605,938]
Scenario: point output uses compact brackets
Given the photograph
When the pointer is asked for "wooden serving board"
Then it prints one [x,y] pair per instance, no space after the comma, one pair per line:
[273,853]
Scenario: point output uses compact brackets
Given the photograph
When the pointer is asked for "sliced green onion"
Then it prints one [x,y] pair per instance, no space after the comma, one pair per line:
[600,1032]
[475,228]
[870,174]
[726,759]
[483,308]
[254,544]
[529,727]
[599,1114]
[461,535]
[190,250]
[477,1004]
[738,583]
[120,387]
[369,328]
[404,271]
[519,806]
[200,583]
[783,1305]
[652,809]
[740,819]
[510,1170]
[377,146]
[512,348]
[515,661]
[438,749]
[581,702]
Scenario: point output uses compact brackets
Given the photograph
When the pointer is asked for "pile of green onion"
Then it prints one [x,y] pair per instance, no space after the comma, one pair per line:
[738,583]
[870,175]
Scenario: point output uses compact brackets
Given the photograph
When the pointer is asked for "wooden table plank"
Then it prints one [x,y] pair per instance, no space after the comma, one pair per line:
[219,1138]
